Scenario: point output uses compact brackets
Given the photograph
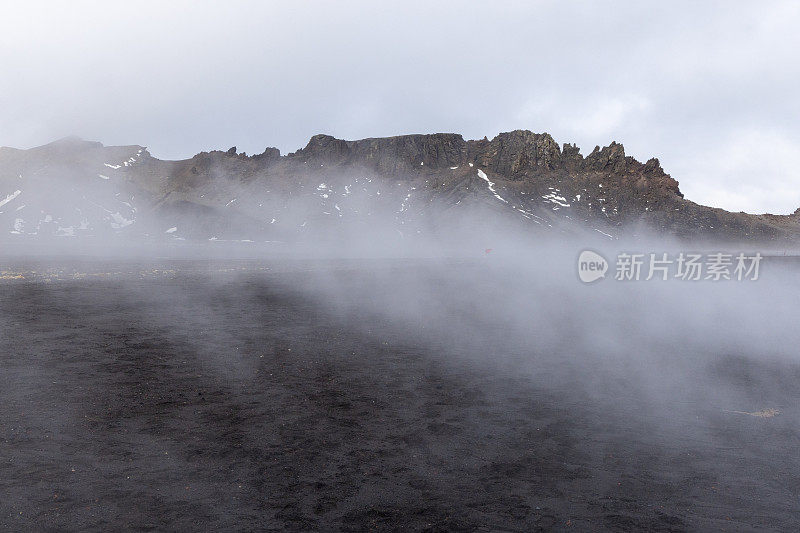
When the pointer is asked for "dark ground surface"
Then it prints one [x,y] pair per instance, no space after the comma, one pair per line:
[179,404]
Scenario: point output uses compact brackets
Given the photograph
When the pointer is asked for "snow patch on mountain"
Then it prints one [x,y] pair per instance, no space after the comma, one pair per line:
[484,177]
[10,197]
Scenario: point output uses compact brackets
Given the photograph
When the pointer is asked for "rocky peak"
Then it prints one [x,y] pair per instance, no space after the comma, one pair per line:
[610,158]
[323,147]
[520,151]
[653,167]
[571,151]
[269,154]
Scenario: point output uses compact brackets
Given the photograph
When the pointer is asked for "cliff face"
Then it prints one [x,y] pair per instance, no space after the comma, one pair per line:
[73,187]
[388,155]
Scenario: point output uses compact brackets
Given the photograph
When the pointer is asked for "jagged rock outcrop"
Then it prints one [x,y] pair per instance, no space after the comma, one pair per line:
[269,154]
[518,154]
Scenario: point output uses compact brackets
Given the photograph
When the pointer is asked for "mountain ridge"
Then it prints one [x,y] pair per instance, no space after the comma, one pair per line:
[523,174]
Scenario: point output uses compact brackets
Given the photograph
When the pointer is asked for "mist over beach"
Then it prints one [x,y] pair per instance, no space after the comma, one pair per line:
[399,267]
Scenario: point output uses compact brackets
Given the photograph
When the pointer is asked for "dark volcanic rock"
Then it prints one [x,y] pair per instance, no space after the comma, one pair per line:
[270,154]
[388,155]
[408,181]
[610,158]
[515,153]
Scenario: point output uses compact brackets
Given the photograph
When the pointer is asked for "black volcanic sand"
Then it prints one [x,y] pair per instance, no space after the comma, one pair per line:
[243,404]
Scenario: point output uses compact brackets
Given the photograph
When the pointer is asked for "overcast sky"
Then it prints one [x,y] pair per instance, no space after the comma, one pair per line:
[711,89]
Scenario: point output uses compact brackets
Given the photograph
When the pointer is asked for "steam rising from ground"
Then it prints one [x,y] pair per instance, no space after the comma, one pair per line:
[667,346]
[490,290]
[476,293]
